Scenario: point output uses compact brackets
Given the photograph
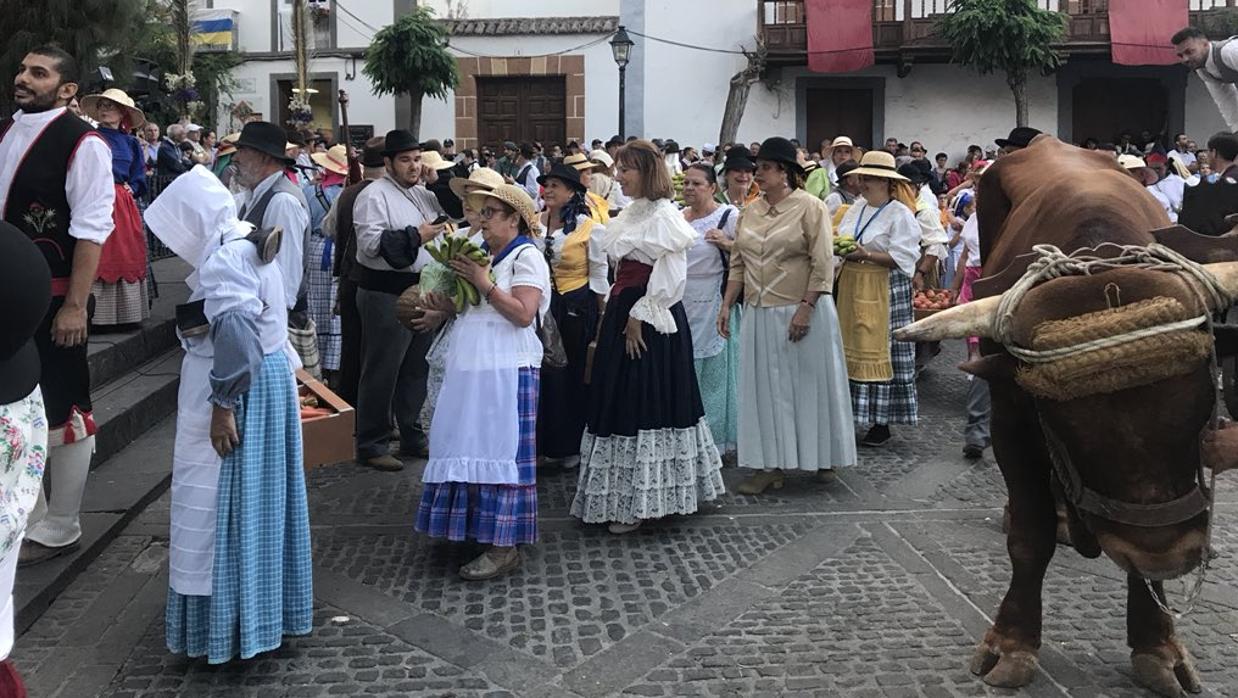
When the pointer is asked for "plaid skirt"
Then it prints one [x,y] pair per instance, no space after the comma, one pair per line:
[321,293]
[892,402]
[502,515]
[261,580]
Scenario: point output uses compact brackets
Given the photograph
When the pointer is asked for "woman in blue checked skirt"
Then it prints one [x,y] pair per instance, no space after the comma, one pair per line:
[239,555]
[480,482]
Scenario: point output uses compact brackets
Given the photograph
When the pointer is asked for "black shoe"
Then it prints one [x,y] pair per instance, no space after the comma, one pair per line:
[973,452]
[878,435]
[419,448]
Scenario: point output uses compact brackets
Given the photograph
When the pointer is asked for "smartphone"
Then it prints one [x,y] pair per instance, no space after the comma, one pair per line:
[441,219]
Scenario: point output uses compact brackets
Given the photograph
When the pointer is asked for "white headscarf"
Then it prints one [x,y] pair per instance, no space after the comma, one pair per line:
[193,216]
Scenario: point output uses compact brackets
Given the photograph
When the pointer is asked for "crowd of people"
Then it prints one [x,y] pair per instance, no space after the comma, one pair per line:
[642,313]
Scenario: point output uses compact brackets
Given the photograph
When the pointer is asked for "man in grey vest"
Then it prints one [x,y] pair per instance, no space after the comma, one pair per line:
[1216,64]
[270,199]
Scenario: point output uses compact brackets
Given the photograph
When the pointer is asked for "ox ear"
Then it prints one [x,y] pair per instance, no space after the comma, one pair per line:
[1220,448]
[1203,249]
[994,368]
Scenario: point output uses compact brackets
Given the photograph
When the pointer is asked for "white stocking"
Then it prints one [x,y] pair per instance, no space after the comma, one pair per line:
[57,522]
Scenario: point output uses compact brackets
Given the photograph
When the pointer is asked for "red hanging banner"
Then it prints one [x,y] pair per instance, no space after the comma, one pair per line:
[1139,30]
[840,35]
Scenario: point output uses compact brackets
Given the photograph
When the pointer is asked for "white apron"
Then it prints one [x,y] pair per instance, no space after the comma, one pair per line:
[195,476]
[702,299]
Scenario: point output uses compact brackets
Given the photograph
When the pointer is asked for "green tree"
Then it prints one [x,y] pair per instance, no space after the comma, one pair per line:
[94,31]
[1012,36]
[410,57]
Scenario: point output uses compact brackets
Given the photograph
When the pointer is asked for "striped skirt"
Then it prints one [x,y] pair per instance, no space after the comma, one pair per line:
[501,515]
[894,401]
[321,294]
[261,585]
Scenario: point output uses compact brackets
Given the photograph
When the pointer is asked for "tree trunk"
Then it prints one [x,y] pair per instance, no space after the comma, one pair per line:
[737,95]
[1018,86]
[414,115]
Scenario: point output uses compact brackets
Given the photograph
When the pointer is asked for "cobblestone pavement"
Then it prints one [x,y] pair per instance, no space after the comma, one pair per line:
[877,584]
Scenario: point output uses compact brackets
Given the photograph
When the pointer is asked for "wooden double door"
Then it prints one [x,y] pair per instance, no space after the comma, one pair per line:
[521,109]
[839,112]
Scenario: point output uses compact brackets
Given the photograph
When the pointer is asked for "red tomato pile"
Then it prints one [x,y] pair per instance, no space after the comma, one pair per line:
[931,299]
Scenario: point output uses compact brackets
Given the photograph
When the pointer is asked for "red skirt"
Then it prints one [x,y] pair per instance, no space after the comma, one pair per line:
[124,252]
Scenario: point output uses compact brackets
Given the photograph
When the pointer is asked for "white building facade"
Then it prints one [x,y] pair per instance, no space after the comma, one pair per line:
[543,70]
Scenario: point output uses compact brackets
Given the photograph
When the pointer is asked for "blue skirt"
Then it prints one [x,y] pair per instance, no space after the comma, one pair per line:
[502,515]
[261,579]
[718,379]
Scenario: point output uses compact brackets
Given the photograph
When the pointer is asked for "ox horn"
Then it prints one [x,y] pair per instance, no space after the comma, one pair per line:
[978,318]
[974,319]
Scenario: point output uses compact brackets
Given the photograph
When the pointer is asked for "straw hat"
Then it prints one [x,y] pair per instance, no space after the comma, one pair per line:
[435,160]
[840,142]
[90,106]
[227,144]
[513,196]
[481,179]
[580,161]
[334,160]
[878,163]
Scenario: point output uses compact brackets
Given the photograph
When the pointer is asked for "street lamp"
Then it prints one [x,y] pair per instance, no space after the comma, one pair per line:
[621,47]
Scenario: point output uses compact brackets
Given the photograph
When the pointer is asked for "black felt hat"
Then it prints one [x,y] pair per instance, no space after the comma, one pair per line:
[566,174]
[1020,137]
[738,158]
[781,150]
[400,141]
[266,138]
[25,296]
[918,171]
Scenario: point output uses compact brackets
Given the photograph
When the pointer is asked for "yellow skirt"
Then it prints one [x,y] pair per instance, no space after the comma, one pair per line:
[864,321]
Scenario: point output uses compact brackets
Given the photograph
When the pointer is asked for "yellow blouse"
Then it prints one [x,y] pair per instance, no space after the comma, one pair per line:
[571,261]
[782,252]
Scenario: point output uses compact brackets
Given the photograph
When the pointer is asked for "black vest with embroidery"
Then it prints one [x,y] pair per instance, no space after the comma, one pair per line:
[37,204]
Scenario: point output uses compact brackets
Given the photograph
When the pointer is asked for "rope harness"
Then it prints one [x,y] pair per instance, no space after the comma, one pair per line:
[1151,331]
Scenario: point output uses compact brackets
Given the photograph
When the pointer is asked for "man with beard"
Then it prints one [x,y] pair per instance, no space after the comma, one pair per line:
[394,217]
[56,187]
[270,199]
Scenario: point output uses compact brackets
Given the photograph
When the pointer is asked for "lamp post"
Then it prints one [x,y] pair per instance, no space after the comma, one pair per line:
[621,47]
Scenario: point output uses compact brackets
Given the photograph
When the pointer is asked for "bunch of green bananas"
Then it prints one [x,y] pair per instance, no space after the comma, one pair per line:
[845,245]
[464,293]
[677,181]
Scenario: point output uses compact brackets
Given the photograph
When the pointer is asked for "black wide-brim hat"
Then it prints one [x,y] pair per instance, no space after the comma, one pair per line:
[1020,137]
[738,158]
[25,296]
[917,171]
[266,138]
[400,141]
[566,174]
[781,150]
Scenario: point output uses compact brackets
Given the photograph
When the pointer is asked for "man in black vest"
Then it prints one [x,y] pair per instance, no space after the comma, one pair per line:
[1216,64]
[56,188]
[270,199]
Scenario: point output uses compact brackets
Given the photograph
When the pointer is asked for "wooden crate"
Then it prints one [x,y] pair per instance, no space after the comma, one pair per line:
[327,439]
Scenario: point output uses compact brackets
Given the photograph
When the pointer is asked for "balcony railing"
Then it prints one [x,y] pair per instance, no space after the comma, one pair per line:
[909,24]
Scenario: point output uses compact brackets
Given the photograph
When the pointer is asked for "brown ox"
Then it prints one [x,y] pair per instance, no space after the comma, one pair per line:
[1140,445]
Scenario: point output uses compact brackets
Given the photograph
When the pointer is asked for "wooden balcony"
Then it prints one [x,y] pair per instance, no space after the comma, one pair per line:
[904,29]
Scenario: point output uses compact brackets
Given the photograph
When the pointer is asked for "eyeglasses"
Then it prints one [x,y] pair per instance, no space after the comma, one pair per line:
[488,212]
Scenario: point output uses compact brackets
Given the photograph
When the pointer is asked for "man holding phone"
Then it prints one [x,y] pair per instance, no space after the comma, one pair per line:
[394,217]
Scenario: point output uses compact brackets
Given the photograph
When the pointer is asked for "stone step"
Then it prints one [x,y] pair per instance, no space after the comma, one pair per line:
[113,354]
[118,490]
[130,405]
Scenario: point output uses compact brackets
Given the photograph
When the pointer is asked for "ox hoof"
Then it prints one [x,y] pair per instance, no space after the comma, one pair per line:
[1009,670]
[1167,670]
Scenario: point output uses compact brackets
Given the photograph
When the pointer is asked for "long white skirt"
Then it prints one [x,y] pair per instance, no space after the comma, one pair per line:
[795,402]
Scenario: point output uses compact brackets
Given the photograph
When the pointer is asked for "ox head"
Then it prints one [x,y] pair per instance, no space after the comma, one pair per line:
[1137,443]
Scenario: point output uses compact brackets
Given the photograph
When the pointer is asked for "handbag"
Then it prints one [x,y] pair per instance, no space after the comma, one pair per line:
[554,356]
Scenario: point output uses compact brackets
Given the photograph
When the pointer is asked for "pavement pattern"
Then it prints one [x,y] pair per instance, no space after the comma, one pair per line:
[877,584]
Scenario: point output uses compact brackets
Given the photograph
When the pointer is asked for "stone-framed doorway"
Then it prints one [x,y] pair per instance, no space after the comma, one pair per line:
[572,68]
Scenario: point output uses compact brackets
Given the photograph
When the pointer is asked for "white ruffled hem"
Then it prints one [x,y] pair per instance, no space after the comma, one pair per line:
[646,310]
[475,471]
[654,474]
